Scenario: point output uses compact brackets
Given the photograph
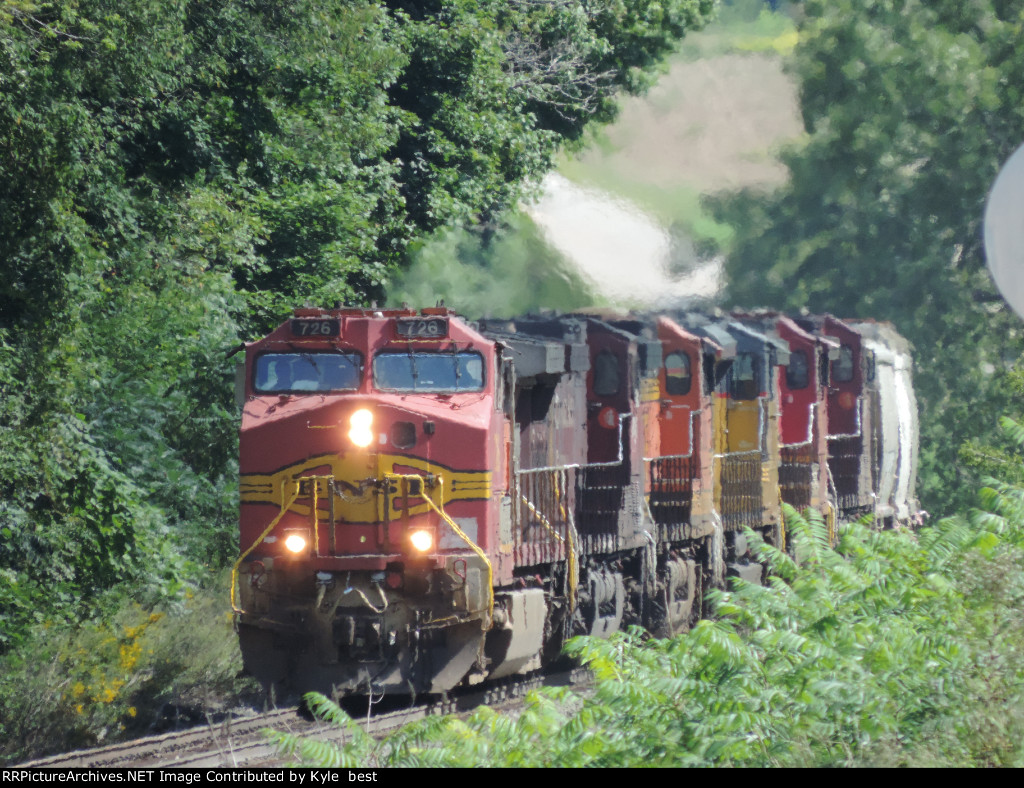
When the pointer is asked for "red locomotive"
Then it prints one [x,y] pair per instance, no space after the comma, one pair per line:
[427,502]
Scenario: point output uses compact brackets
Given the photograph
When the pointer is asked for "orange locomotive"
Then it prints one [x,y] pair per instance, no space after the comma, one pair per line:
[427,502]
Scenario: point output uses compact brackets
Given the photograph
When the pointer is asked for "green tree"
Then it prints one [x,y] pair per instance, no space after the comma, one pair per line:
[156,158]
[910,109]
[176,175]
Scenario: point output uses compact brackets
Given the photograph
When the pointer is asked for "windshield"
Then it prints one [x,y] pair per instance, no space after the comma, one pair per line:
[745,377]
[842,368]
[798,370]
[435,372]
[300,372]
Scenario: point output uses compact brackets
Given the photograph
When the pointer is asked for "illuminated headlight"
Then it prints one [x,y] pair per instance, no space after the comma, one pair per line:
[295,543]
[359,428]
[422,540]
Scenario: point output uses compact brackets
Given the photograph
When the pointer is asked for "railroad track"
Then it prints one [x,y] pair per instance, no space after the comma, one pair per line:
[239,741]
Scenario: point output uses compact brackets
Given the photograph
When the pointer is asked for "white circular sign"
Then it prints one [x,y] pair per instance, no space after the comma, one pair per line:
[1004,231]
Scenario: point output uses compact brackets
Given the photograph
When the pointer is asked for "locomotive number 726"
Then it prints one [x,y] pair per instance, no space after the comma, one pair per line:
[316,328]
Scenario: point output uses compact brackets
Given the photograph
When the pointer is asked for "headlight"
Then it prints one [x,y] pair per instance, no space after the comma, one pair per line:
[295,543]
[359,428]
[422,540]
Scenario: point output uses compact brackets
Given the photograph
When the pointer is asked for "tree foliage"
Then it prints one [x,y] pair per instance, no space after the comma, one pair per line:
[889,650]
[176,175]
[910,109]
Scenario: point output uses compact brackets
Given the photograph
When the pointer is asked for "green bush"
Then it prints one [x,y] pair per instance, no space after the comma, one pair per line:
[66,687]
[894,648]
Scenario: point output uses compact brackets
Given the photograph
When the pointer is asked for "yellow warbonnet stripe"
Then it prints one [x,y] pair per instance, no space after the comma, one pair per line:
[359,501]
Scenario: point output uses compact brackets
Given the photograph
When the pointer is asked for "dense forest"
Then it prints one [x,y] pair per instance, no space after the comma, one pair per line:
[178,174]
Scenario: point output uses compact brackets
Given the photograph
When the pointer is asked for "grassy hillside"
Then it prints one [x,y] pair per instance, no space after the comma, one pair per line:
[713,122]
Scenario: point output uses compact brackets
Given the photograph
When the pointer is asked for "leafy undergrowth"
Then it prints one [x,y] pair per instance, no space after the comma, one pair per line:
[134,672]
[892,649]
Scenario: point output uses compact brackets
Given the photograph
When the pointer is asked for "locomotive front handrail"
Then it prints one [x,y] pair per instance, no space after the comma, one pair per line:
[458,531]
[735,453]
[782,522]
[330,489]
[573,563]
[262,536]
[830,519]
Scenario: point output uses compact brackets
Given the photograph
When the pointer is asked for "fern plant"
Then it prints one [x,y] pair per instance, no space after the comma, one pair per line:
[893,648]
[358,749]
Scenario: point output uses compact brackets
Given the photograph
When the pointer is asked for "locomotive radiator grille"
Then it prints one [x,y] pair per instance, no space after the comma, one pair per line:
[670,484]
[796,475]
[741,490]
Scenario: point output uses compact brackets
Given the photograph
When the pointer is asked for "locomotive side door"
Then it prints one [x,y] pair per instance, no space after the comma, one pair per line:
[608,387]
[849,419]
[675,475]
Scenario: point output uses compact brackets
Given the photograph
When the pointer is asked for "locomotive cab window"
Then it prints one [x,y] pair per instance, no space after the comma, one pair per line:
[842,368]
[307,372]
[798,370]
[744,377]
[677,374]
[606,374]
[438,373]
